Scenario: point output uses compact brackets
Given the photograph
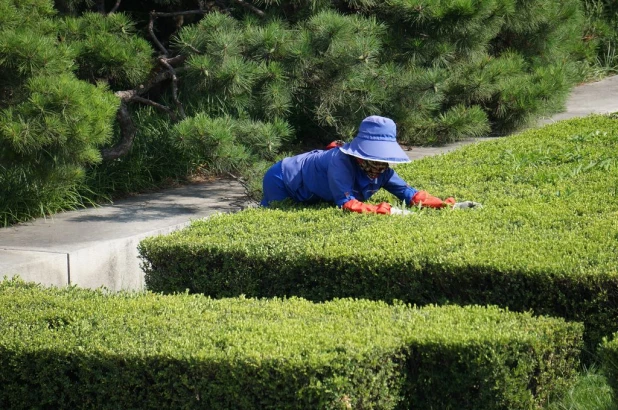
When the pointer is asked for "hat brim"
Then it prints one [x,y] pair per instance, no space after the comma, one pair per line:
[381,151]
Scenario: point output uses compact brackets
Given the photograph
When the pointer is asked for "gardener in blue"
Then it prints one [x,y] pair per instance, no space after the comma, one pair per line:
[349,174]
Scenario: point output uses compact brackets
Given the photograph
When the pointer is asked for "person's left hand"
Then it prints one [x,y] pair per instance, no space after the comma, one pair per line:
[425,199]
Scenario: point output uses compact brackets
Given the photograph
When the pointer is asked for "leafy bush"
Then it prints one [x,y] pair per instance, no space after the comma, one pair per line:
[545,240]
[74,348]
[600,31]
[107,47]
[47,140]
[443,70]
[52,125]
[609,354]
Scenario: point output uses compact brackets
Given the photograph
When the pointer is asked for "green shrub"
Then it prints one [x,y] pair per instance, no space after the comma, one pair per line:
[609,354]
[52,125]
[75,348]
[545,240]
[107,47]
[47,140]
[601,35]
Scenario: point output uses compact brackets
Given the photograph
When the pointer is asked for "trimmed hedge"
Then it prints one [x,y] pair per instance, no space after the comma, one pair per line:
[76,348]
[546,239]
[609,360]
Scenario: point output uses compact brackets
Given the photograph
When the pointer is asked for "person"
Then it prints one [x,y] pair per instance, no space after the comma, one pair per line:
[349,174]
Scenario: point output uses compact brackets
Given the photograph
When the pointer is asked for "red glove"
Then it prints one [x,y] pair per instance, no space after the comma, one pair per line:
[425,199]
[384,208]
[357,206]
[335,144]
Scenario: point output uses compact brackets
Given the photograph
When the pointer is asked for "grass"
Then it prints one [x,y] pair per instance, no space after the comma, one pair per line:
[590,392]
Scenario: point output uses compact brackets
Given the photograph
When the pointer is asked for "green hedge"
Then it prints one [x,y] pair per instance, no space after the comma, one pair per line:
[609,359]
[546,239]
[75,348]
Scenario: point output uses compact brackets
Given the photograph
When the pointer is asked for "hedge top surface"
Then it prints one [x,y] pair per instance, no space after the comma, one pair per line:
[550,199]
[192,326]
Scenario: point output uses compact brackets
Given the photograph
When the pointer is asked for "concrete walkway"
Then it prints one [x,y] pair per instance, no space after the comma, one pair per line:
[97,247]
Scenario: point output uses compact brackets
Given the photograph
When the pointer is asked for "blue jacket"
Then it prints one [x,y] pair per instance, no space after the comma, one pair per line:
[336,177]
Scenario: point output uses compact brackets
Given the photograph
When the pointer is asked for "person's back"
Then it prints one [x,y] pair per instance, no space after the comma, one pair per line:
[330,176]
[305,175]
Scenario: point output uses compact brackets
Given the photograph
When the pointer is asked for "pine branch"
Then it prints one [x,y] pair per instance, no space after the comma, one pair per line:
[195,50]
[174,86]
[176,60]
[158,106]
[156,14]
[127,128]
[153,17]
[129,95]
[127,132]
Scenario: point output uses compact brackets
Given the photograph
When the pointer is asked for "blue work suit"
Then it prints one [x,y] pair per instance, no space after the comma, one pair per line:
[330,176]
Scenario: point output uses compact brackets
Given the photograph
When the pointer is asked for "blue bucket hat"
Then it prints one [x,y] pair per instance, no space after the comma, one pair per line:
[376,141]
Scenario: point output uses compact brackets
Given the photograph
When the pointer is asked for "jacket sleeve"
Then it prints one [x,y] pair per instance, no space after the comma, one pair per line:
[398,187]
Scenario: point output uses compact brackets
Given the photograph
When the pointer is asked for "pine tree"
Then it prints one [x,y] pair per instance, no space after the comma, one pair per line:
[99,95]
[51,123]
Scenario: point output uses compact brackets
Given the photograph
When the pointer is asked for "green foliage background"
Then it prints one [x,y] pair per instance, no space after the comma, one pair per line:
[254,88]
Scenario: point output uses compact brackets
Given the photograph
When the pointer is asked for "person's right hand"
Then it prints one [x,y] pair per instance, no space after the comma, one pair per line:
[354,205]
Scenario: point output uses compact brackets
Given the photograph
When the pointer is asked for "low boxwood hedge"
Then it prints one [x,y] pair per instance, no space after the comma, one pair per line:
[546,238]
[75,348]
[609,360]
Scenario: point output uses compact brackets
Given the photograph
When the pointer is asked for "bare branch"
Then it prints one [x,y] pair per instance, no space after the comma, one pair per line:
[177,13]
[129,95]
[250,7]
[126,95]
[127,128]
[176,60]
[174,86]
[113,10]
[152,34]
[156,14]
[127,132]
[158,106]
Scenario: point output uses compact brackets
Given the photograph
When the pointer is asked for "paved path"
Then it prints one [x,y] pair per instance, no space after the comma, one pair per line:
[98,246]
